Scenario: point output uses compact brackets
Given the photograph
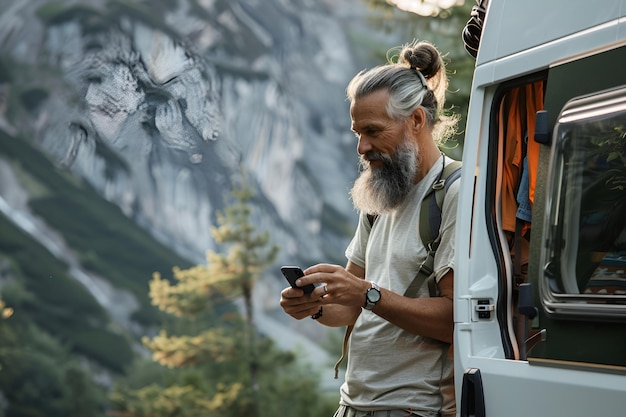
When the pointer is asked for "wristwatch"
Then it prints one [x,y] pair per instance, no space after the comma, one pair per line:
[372,296]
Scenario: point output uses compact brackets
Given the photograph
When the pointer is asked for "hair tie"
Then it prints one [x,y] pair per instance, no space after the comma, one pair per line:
[421,77]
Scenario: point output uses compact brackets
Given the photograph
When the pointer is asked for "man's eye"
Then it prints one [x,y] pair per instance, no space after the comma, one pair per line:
[367,132]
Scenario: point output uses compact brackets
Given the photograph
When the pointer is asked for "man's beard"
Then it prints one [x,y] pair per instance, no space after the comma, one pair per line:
[380,190]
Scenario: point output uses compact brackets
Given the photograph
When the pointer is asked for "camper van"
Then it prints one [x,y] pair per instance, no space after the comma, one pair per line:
[540,276]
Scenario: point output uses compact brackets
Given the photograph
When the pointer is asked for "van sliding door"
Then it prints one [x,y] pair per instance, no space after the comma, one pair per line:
[578,258]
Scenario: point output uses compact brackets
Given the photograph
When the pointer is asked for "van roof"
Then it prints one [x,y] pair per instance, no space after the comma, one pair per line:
[513,26]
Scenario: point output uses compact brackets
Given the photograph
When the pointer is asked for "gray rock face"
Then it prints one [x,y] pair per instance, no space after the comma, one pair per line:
[159,105]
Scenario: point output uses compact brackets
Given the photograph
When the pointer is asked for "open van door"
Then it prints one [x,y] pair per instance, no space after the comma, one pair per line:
[540,275]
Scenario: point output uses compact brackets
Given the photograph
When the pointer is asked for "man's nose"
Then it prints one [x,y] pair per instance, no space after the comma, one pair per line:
[364,145]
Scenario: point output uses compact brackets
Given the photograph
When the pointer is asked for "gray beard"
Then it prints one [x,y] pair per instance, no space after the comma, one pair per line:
[380,190]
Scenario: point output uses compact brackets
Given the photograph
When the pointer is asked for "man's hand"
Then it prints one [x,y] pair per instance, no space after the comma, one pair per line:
[340,291]
[343,286]
[299,305]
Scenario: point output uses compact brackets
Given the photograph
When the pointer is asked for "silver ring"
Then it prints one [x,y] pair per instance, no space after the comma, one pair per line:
[325,289]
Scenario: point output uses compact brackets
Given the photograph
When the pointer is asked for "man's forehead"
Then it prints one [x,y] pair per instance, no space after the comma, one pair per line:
[370,107]
[375,98]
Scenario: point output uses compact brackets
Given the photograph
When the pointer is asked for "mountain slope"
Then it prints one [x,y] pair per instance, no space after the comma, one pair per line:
[124,124]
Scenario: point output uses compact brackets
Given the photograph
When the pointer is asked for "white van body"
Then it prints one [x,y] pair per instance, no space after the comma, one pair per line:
[574,364]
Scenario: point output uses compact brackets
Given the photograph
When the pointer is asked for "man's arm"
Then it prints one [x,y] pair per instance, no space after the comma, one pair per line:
[427,316]
[430,316]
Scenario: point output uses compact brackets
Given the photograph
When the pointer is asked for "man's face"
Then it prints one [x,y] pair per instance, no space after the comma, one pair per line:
[389,157]
[376,131]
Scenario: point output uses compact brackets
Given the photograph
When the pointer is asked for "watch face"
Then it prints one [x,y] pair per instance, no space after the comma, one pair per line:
[373,295]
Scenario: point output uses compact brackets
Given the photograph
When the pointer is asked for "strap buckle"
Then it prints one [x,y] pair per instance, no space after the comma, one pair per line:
[439,184]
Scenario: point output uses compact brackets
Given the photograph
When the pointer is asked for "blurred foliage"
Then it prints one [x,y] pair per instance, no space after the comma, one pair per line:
[5,311]
[218,365]
[287,387]
[39,376]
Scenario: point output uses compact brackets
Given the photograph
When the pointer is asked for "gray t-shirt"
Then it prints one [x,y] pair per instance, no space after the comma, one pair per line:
[389,368]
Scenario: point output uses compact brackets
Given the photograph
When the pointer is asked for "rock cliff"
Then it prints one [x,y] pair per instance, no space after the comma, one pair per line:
[162,105]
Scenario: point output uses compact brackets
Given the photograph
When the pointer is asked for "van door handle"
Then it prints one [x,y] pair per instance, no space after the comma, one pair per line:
[472,395]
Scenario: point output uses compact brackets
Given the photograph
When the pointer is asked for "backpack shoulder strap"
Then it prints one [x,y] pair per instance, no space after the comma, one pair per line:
[430,212]
[429,224]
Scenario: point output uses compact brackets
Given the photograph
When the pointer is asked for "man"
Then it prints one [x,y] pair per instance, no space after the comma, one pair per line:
[399,361]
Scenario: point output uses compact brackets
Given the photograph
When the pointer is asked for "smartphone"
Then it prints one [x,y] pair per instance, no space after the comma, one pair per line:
[292,273]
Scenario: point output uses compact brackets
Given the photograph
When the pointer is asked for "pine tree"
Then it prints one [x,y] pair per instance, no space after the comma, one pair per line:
[200,292]
[244,263]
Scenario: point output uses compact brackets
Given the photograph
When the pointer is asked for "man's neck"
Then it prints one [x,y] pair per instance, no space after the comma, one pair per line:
[430,154]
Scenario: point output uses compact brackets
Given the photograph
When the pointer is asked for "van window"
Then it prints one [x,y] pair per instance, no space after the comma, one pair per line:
[584,253]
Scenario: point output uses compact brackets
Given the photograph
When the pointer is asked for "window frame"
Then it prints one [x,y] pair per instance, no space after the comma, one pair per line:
[573,304]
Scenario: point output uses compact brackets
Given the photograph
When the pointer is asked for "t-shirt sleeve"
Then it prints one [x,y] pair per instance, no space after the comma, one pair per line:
[358,245]
[444,257]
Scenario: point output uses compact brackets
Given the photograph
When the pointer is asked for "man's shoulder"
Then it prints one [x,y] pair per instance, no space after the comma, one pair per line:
[452,194]
[447,181]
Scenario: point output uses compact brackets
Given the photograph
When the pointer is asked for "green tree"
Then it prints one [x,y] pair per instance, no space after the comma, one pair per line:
[38,377]
[228,275]
[217,364]
[243,265]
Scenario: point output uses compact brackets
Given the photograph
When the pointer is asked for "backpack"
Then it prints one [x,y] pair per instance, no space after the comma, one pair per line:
[429,224]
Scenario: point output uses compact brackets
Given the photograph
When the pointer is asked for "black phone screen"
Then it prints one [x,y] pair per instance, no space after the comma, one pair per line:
[292,273]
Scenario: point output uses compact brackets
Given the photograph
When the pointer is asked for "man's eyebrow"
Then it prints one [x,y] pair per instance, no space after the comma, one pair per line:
[364,126]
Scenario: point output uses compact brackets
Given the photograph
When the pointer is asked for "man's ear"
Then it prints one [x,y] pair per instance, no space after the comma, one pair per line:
[418,119]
